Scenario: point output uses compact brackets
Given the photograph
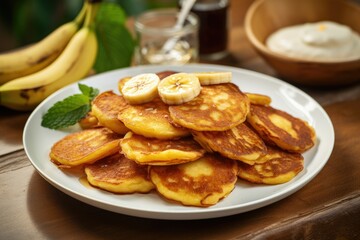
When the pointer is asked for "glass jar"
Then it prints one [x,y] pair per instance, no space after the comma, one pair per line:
[155,30]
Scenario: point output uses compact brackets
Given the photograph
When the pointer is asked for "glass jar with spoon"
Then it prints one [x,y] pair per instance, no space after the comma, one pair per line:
[162,41]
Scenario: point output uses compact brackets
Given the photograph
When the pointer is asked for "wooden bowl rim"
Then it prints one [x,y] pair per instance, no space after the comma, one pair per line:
[265,50]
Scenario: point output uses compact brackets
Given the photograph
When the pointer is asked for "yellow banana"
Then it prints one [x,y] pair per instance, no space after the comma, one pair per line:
[210,78]
[39,55]
[79,63]
[55,70]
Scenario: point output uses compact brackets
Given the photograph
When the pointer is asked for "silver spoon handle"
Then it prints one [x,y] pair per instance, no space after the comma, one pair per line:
[185,9]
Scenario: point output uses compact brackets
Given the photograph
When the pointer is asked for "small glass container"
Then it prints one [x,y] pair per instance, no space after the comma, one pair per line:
[155,29]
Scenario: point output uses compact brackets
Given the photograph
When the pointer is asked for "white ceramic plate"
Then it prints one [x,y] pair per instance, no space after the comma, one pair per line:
[245,197]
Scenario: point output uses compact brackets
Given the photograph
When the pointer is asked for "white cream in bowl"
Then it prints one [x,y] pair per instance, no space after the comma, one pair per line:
[322,41]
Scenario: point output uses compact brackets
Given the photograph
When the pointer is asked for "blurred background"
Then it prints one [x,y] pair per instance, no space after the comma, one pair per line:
[24,22]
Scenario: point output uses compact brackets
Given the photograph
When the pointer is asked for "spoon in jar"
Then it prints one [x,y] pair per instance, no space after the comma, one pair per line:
[184,12]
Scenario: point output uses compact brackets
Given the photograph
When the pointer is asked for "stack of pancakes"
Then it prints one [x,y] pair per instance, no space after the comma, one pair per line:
[193,153]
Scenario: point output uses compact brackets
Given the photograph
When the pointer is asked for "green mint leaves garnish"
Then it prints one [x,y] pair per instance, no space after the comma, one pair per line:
[88,91]
[69,111]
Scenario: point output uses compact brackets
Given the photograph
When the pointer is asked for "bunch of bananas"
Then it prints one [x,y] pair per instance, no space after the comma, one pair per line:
[29,75]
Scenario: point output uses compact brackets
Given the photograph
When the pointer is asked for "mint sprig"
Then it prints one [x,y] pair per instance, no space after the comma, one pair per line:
[88,91]
[69,111]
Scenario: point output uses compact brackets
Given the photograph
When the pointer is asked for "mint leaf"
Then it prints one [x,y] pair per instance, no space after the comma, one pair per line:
[66,112]
[70,110]
[116,44]
[88,91]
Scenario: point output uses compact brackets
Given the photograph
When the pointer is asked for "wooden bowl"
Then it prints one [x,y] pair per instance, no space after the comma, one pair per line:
[266,16]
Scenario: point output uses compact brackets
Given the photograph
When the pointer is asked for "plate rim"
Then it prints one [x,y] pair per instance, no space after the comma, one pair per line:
[187,213]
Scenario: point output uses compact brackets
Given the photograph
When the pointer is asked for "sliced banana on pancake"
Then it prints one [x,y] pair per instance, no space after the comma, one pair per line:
[279,128]
[217,108]
[161,75]
[210,78]
[278,167]
[106,107]
[86,146]
[202,183]
[179,88]
[153,151]
[118,174]
[141,88]
[238,143]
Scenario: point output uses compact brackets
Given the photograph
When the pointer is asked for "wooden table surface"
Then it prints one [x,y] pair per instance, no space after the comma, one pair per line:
[326,208]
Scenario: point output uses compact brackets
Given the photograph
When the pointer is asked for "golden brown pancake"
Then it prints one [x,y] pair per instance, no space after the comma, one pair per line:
[86,146]
[106,107]
[89,121]
[151,120]
[122,82]
[238,143]
[217,108]
[203,182]
[118,174]
[256,98]
[279,167]
[152,151]
[279,128]
[165,74]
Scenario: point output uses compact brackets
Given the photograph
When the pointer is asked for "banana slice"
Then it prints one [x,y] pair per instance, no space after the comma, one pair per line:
[179,88]
[141,88]
[210,78]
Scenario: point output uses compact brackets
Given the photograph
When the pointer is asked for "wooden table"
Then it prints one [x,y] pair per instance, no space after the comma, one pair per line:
[326,208]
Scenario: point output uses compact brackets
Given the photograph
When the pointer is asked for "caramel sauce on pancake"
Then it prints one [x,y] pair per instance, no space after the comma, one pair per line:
[217,108]
[238,143]
[83,180]
[86,146]
[279,128]
[152,151]
[151,120]
[279,167]
[118,174]
[106,107]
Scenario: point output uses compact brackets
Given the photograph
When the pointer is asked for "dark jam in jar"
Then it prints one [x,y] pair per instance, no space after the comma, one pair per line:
[213,32]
